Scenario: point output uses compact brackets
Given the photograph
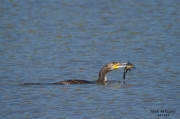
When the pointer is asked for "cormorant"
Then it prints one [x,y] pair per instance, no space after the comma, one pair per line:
[102,74]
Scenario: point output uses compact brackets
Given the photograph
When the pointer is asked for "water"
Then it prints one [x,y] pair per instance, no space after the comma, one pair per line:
[49,41]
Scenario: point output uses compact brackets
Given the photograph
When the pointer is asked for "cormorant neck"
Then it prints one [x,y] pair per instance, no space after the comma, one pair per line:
[102,74]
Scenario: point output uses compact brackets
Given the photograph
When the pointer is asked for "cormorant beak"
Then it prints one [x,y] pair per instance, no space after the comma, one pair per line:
[119,65]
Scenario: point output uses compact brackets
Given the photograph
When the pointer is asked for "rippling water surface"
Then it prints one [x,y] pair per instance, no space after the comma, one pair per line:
[47,41]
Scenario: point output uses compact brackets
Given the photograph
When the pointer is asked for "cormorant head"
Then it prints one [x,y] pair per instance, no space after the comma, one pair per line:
[115,65]
[109,67]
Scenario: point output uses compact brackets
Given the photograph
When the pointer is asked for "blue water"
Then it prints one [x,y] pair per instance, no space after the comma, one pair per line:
[49,41]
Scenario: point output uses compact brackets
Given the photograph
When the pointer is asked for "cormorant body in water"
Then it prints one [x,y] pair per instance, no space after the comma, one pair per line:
[102,74]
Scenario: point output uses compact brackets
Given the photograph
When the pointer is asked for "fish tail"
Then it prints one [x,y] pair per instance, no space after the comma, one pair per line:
[124,75]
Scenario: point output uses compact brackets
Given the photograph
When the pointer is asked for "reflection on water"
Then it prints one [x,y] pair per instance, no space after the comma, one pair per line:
[49,41]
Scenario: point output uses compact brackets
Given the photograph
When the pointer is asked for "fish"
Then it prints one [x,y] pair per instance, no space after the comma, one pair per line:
[128,67]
